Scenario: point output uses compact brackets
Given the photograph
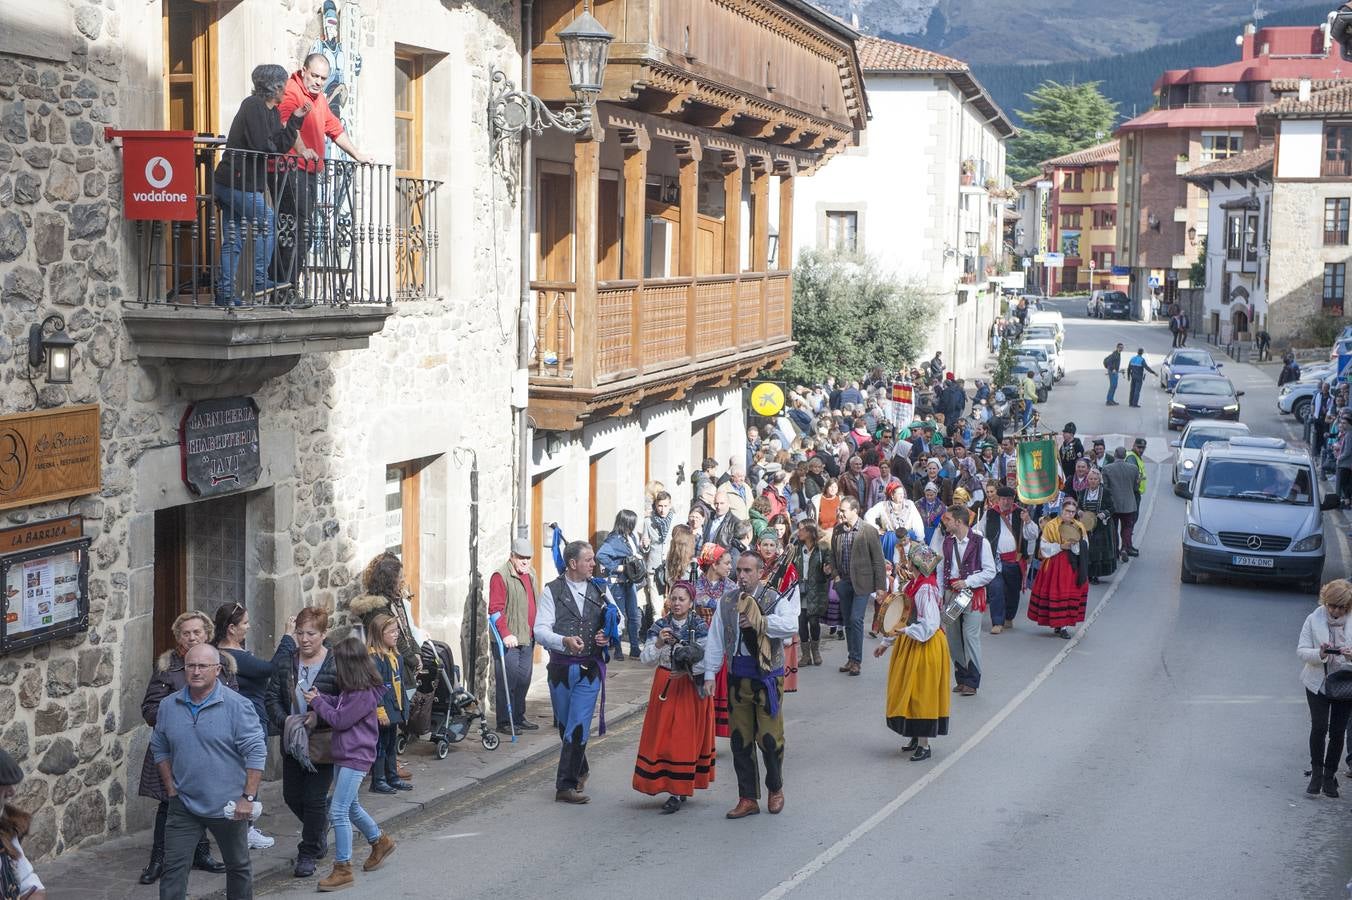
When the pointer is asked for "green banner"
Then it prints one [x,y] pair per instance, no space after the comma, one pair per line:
[1037,467]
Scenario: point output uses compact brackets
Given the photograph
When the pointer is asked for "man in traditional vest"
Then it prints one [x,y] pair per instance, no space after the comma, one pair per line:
[965,560]
[511,593]
[569,622]
[1008,530]
[751,637]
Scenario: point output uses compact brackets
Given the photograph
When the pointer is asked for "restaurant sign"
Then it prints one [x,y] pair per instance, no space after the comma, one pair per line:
[49,454]
[218,442]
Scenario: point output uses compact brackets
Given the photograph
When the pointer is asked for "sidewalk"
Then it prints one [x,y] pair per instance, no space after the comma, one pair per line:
[110,870]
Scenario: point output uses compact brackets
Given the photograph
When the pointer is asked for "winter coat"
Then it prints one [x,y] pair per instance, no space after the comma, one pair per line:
[170,676]
[282,688]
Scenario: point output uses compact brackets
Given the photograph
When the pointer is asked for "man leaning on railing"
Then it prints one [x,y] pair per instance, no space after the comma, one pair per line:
[295,202]
[239,181]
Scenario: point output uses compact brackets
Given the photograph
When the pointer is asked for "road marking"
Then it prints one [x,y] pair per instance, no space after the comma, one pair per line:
[451,837]
[839,847]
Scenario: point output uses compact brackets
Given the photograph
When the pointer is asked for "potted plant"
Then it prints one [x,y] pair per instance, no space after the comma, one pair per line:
[968,172]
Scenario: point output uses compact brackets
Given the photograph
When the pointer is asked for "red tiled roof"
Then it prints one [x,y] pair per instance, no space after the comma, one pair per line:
[1335,100]
[1250,162]
[879,55]
[1293,52]
[1099,153]
[1193,117]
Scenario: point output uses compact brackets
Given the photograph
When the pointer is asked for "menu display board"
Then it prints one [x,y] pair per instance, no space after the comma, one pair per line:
[46,594]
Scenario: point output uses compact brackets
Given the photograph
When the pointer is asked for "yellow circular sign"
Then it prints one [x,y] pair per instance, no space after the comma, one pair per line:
[767,399]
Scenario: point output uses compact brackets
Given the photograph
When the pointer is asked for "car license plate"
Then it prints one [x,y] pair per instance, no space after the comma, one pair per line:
[1261,562]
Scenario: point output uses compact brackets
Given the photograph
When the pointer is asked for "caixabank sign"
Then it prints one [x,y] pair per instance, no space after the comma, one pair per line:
[158,180]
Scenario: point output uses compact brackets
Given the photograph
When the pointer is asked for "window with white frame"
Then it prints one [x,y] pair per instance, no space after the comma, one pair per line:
[1221,145]
[842,230]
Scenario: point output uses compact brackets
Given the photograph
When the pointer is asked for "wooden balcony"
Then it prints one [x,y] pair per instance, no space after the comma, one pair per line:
[652,339]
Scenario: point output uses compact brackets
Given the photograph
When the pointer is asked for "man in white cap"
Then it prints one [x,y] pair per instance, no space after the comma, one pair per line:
[511,592]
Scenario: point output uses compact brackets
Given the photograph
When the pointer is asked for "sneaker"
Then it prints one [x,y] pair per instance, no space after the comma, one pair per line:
[258,840]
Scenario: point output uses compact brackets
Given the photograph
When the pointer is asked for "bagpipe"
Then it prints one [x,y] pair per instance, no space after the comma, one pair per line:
[610,622]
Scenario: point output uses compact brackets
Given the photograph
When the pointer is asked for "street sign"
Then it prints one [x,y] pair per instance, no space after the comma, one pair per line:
[767,398]
[1121,270]
[1027,263]
[1054,260]
[1154,282]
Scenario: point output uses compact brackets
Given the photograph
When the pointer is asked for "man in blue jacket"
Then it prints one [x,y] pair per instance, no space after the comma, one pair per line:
[210,749]
[1136,369]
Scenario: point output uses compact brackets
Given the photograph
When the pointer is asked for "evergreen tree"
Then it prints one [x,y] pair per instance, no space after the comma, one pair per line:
[1063,118]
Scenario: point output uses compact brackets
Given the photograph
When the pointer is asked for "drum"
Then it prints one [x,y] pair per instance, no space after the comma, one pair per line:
[956,604]
[894,614]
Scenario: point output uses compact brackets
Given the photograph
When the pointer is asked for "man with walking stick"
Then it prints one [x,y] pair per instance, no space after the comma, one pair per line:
[511,598]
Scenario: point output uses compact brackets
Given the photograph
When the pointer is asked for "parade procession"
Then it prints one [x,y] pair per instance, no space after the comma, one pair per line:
[494,449]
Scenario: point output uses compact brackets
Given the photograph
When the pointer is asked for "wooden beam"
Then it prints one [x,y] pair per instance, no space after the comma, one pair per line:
[785,259]
[688,155]
[586,216]
[635,199]
[760,216]
[732,213]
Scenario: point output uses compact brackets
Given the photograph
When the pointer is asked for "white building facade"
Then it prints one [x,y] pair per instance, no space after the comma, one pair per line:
[923,191]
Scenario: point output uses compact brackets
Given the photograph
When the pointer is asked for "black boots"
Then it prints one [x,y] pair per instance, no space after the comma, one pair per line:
[203,860]
[380,786]
[155,868]
[1330,783]
[1316,780]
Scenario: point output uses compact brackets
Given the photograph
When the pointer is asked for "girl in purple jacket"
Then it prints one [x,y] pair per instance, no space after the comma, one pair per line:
[352,716]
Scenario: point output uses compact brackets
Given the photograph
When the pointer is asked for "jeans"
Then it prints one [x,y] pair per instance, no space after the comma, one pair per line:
[1112,386]
[1136,383]
[294,193]
[573,692]
[852,609]
[183,830]
[512,683]
[306,795]
[345,811]
[1003,592]
[387,755]
[243,212]
[1027,412]
[626,598]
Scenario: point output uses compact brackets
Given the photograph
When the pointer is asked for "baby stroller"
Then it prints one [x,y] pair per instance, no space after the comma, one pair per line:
[454,709]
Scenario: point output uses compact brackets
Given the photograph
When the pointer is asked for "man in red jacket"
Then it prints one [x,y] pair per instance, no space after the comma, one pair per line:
[511,591]
[294,191]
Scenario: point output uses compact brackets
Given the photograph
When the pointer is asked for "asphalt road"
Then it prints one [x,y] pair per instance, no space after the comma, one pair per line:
[1159,754]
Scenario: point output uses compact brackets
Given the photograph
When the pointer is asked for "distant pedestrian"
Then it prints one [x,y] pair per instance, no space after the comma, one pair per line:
[209,748]
[617,557]
[1071,450]
[1325,647]
[511,592]
[1322,407]
[1112,364]
[1136,369]
[1028,391]
[1263,341]
[352,716]
[1345,458]
[1121,477]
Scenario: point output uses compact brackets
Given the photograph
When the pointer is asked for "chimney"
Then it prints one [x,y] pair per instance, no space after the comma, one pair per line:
[1305,87]
[1246,41]
[854,20]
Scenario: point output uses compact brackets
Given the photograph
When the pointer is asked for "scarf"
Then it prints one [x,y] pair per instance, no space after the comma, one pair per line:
[661,526]
[915,584]
[1052,531]
[930,510]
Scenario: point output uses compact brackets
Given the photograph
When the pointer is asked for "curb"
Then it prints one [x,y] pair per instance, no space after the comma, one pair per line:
[417,809]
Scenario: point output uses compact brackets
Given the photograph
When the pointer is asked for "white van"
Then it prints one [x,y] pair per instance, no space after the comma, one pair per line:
[1050,317]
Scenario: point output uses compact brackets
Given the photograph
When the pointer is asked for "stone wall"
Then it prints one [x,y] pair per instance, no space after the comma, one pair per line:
[1295,288]
[433,385]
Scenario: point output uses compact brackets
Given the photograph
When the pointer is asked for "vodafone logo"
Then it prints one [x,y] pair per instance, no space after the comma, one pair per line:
[159,173]
[159,164]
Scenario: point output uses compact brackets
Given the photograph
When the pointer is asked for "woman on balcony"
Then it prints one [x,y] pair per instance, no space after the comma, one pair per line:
[241,178]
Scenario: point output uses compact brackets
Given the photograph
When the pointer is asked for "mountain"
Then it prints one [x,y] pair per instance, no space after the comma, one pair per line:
[1128,77]
[988,32]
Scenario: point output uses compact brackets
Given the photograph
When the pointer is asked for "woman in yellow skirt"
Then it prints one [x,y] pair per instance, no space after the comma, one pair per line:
[676,748]
[917,676]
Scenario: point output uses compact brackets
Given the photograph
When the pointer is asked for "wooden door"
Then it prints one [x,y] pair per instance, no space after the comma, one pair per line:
[608,236]
[171,575]
[554,218]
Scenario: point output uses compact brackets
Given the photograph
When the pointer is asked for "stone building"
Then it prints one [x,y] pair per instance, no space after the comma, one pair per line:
[924,191]
[1311,202]
[379,380]
[664,239]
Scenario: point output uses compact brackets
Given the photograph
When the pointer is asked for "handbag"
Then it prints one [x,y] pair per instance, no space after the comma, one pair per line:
[321,742]
[635,570]
[1338,684]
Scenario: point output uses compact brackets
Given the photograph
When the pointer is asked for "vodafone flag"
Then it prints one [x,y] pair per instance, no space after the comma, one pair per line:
[159,181]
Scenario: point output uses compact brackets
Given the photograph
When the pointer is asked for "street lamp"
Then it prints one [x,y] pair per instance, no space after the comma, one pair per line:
[586,47]
[54,349]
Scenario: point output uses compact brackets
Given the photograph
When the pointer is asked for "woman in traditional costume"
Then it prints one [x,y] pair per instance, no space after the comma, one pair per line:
[931,509]
[1061,589]
[715,580]
[676,748]
[1095,500]
[917,676]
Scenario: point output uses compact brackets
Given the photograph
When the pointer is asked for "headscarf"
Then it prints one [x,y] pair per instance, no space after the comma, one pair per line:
[710,554]
[1078,483]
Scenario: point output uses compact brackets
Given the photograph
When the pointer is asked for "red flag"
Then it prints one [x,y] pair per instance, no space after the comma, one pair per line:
[902,393]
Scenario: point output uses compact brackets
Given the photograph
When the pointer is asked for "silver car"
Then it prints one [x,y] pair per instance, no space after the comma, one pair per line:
[1197,435]
[1255,511]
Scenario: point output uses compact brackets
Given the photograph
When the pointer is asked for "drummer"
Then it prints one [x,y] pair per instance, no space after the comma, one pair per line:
[966,563]
[917,676]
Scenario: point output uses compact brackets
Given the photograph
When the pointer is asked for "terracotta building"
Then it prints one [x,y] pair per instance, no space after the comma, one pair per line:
[1083,219]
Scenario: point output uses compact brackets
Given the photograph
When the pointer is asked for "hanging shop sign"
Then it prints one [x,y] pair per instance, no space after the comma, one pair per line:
[44,574]
[159,180]
[49,454]
[767,398]
[218,442]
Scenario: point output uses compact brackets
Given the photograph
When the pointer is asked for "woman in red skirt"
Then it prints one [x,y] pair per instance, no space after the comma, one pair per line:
[715,580]
[676,749]
[1061,588]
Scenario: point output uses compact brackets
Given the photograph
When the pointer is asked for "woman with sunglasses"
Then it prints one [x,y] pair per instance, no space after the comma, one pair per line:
[231,629]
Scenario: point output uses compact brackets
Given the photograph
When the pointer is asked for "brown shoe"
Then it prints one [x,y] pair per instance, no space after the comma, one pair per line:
[854,668]
[996,629]
[745,807]
[967,690]
[339,878]
[776,804]
[403,772]
[846,667]
[571,796]
[382,848]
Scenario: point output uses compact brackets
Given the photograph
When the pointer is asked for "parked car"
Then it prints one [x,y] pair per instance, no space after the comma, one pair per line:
[1040,333]
[1255,510]
[1186,361]
[1203,397]
[1296,397]
[1197,435]
[1049,353]
[1115,305]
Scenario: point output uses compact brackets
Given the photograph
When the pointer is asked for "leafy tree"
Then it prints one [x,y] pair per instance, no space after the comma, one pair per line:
[1064,118]
[1197,272]
[1004,365]
[850,315]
